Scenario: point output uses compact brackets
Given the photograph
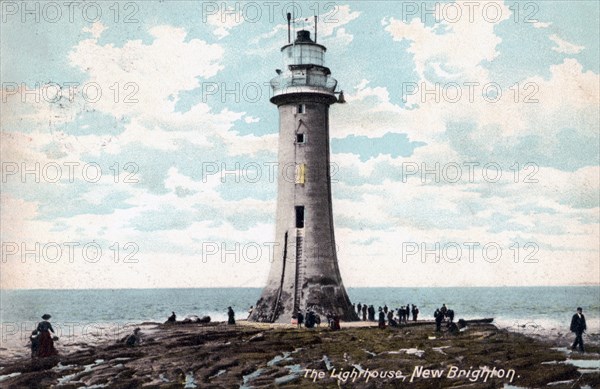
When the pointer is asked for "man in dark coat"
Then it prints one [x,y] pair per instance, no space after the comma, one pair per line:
[578,326]
[415,312]
[371,313]
[439,317]
[381,318]
[300,316]
[364,312]
[230,316]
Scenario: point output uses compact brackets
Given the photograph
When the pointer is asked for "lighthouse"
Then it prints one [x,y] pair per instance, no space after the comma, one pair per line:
[304,272]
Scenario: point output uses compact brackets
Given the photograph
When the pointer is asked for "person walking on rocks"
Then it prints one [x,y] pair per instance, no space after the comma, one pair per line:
[46,341]
[578,326]
[230,316]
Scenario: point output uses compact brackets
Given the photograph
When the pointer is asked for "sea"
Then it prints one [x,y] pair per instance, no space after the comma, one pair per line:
[92,315]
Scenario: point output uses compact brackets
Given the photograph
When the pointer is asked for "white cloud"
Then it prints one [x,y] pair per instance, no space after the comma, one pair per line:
[565,47]
[225,21]
[251,119]
[151,76]
[331,31]
[96,30]
[539,24]
[462,45]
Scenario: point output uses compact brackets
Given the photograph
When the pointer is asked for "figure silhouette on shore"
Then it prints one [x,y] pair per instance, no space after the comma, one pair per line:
[415,312]
[381,318]
[364,312]
[34,338]
[443,309]
[134,339]
[300,318]
[578,326]
[371,312]
[439,317]
[390,317]
[230,316]
[310,319]
[402,314]
[46,341]
[172,318]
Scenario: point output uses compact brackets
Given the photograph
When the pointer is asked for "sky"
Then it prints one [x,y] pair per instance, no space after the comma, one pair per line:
[139,145]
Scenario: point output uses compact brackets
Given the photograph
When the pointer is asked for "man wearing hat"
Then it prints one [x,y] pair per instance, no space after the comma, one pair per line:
[578,326]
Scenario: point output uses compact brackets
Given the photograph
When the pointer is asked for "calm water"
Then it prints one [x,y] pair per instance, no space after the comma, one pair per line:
[548,308]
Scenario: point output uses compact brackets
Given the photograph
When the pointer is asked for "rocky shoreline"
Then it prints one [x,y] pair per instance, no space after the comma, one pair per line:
[259,355]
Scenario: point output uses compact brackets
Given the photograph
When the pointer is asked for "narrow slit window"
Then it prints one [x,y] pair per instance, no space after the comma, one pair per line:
[301,108]
[300,216]
[300,138]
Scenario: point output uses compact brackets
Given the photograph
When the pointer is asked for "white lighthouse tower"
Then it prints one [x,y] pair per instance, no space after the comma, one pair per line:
[304,273]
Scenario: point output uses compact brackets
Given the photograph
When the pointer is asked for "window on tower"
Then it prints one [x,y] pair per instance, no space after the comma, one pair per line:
[300,216]
[300,173]
[300,138]
[301,108]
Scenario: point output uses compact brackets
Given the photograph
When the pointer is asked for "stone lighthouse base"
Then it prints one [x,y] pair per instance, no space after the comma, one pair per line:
[276,306]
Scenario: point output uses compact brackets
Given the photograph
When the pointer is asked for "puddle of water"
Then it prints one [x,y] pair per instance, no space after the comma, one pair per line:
[440,349]
[66,379]
[7,376]
[560,382]
[295,372]
[328,362]
[120,359]
[61,367]
[413,351]
[190,382]
[87,368]
[250,377]
[279,358]
[220,372]
[359,368]
[585,363]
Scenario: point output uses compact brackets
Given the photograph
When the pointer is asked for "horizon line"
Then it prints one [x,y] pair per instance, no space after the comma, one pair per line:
[349,287]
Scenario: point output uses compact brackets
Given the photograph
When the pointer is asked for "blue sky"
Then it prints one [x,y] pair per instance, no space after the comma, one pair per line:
[171,163]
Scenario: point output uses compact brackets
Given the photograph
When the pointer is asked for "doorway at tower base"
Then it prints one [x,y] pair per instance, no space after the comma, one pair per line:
[275,306]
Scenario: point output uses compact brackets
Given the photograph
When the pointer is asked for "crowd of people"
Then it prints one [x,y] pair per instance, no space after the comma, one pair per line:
[310,319]
[404,314]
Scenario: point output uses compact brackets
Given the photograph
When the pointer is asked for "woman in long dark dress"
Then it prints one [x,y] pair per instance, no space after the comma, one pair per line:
[46,347]
[230,316]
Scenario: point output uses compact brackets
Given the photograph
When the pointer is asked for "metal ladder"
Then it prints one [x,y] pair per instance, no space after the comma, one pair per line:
[299,269]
